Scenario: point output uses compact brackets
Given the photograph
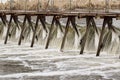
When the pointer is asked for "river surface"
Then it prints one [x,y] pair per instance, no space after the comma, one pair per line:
[25,63]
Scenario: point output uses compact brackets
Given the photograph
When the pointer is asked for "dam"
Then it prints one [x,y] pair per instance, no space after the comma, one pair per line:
[59,39]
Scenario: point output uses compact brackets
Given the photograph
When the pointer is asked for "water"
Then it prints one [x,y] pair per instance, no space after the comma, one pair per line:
[25,63]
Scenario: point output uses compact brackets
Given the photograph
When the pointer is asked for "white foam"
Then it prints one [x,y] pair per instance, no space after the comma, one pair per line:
[44,34]
[59,33]
[31,35]
[77,40]
[86,64]
[115,37]
[96,40]
[18,31]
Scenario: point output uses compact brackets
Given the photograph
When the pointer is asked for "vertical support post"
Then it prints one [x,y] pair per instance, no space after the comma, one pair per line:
[59,24]
[94,24]
[73,22]
[3,18]
[110,24]
[71,19]
[30,24]
[66,31]
[83,41]
[107,20]
[15,18]
[9,25]
[49,35]
[42,20]
[21,34]
[34,34]
[100,45]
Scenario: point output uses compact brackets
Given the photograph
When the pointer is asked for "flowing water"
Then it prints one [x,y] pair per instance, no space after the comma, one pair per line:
[25,63]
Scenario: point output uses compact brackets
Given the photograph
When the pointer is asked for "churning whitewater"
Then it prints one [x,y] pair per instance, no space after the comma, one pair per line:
[25,63]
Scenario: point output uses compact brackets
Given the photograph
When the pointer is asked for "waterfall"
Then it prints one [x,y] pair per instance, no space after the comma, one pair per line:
[18,31]
[96,40]
[30,35]
[111,39]
[44,34]
[77,41]
[59,33]
[114,44]
[4,31]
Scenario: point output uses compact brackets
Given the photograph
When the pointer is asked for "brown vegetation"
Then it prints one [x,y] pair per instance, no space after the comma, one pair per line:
[59,4]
